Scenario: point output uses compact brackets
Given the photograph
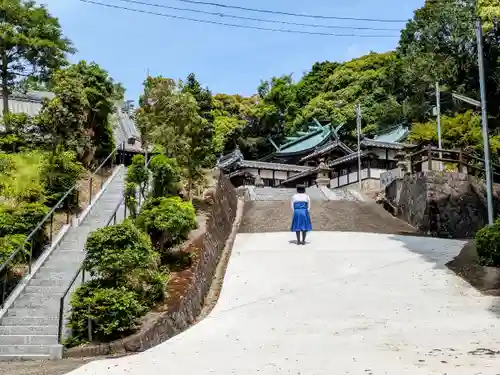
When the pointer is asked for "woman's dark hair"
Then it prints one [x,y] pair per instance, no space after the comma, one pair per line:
[301,189]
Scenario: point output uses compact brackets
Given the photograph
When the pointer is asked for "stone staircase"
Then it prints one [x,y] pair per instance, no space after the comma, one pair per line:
[29,328]
[285,194]
[315,193]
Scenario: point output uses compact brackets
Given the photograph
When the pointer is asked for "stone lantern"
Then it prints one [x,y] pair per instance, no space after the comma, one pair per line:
[323,178]
[258,181]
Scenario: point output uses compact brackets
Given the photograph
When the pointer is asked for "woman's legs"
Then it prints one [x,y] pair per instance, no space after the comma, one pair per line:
[304,234]
[298,237]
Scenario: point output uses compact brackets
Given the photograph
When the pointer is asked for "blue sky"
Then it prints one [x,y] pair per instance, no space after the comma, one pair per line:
[225,59]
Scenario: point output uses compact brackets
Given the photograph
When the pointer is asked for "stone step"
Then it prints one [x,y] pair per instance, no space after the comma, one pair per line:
[29,300]
[48,282]
[25,349]
[33,289]
[28,339]
[52,311]
[30,321]
[29,330]
[26,357]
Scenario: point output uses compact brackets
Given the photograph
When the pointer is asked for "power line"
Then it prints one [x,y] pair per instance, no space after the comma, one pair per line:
[225,15]
[291,14]
[236,25]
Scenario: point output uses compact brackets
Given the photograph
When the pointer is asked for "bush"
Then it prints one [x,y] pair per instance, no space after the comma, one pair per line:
[168,221]
[60,173]
[116,251]
[130,195]
[21,177]
[166,176]
[10,244]
[21,220]
[112,312]
[488,245]
[137,173]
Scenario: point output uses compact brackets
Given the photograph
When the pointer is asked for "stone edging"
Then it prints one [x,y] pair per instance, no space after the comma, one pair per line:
[215,243]
[220,272]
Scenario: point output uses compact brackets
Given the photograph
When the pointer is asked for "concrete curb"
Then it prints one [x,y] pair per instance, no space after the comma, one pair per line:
[220,272]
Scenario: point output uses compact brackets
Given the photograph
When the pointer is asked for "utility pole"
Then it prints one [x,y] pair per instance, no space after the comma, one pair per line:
[358,130]
[145,146]
[484,118]
[438,114]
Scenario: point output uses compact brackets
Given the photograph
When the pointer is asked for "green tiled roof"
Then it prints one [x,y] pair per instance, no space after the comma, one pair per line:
[395,134]
[306,141]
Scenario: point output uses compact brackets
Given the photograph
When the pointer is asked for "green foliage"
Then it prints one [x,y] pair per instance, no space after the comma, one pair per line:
[168,221]
[21,177]
[461,131]
[32,44]
[138,174]
[9,245]
[21,220]
[60,173]
[166,176]
[488,245]
[170,116]
[112,312]
[114,252]
[130,195]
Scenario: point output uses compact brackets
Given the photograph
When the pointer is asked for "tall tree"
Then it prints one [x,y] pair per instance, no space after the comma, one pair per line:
[31,45]
[439,44]
[170,117]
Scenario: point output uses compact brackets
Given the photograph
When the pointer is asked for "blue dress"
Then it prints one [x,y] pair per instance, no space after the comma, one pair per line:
[301,221]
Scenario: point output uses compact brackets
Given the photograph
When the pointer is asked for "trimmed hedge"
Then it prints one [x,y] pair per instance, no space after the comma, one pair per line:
[488,245]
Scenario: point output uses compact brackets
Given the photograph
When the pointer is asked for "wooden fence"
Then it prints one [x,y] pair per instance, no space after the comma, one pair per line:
[429,159]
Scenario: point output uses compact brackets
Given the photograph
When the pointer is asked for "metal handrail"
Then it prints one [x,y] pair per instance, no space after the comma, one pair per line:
[50,215]
[82,269]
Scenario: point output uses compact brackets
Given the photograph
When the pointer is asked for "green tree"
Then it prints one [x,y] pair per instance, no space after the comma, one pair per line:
[166,176]
[32,44]
[439,44]
[171,118]
[63,118]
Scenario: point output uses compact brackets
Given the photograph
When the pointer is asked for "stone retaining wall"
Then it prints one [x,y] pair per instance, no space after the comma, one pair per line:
[178,318]
[445,204]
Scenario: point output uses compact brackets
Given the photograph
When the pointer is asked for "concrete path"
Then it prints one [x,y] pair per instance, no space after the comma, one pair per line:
[346,303]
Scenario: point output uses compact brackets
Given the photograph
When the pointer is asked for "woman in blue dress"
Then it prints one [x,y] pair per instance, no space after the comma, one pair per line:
[301,222]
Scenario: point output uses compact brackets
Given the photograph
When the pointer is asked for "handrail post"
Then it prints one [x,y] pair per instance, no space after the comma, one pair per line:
[429,157]
[90,189]
[61,320]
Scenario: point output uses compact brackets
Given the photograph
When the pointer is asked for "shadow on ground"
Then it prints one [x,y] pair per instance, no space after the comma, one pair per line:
[466,265]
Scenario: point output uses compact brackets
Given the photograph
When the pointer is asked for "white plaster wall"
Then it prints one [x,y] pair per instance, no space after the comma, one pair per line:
[381,154]
[280,175]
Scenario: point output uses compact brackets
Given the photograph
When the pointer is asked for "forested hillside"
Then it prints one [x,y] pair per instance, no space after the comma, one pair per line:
[438,44]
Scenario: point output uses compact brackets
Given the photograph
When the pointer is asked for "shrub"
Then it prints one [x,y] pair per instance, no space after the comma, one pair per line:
[112,312]
[130,195]
[488,245]
[21,177]
[168,221]
[60,173]
[114,252]
[137,173]
[8,245]
[166,176]
[22,219]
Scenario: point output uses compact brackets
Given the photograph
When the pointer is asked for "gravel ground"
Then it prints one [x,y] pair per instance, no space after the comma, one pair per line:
[346,216]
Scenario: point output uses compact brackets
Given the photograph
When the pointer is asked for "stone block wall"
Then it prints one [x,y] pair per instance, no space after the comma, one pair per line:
[179,317]
[445,204]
